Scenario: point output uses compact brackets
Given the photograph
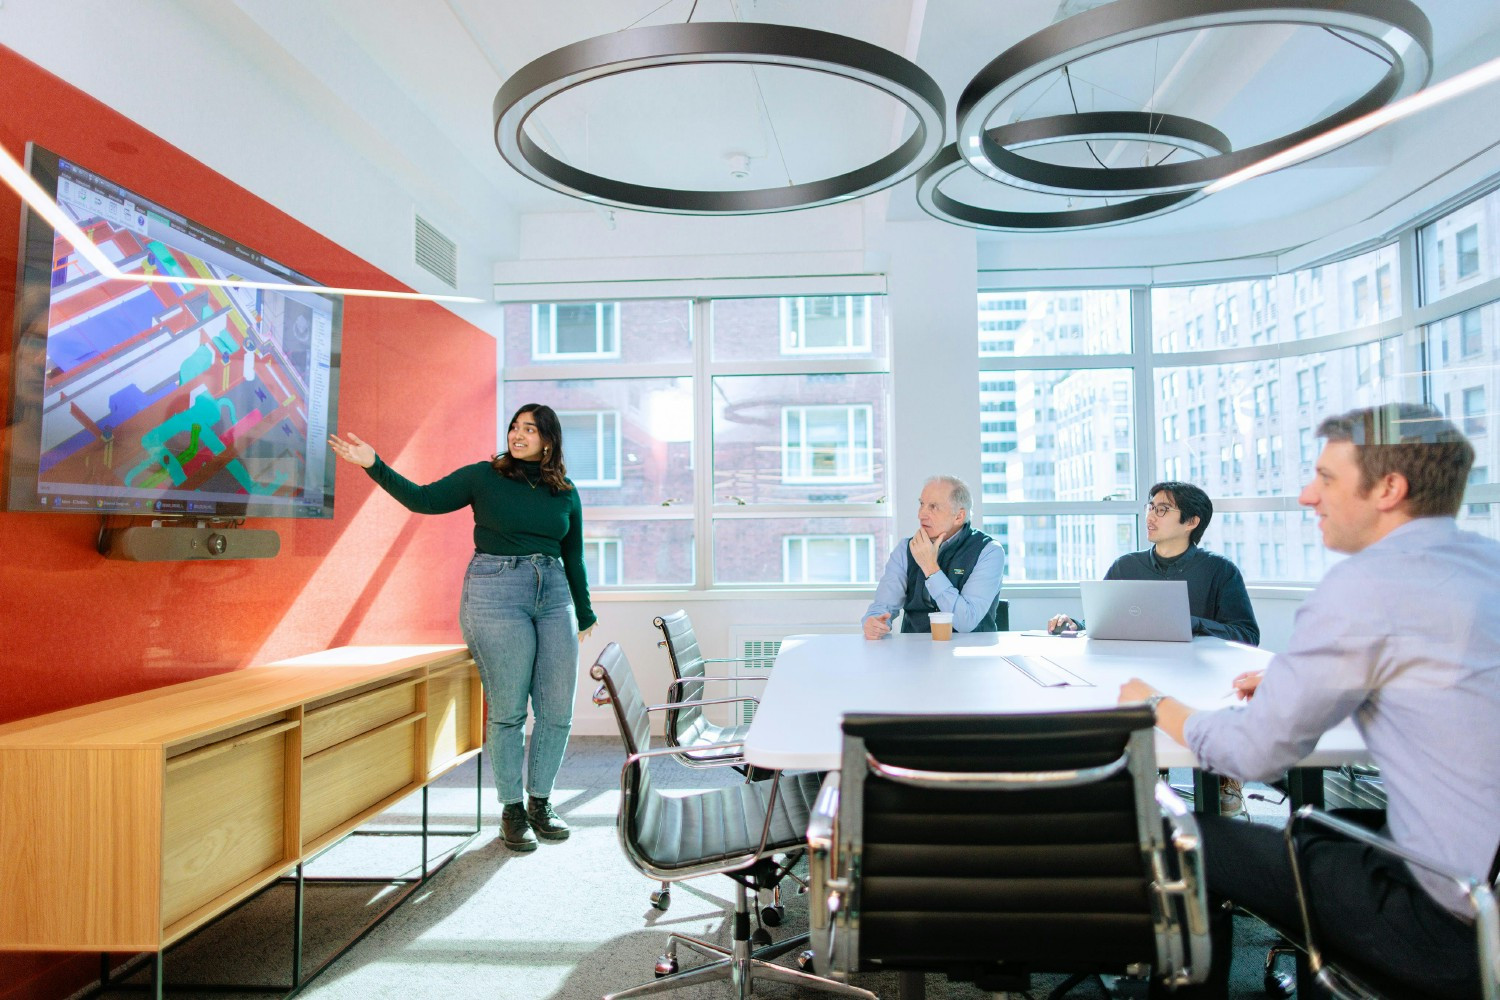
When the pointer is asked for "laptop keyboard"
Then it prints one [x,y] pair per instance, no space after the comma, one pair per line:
[1046,673]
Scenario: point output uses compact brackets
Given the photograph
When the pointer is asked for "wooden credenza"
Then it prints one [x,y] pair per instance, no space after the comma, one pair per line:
[127,824]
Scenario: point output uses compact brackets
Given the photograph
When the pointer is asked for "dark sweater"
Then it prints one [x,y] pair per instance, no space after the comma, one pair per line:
[1217,598]
[511,518]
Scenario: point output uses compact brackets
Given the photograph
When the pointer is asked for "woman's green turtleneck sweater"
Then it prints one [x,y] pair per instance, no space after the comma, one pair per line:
[511,518]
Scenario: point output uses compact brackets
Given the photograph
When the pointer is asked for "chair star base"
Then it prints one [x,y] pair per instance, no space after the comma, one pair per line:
[738,963]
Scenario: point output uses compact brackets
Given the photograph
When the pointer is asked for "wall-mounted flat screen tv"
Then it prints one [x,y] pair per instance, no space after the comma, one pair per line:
[170,398]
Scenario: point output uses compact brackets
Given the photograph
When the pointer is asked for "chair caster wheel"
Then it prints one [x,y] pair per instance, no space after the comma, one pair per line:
[772,916]
[666,965]
[761,938]
[661,899]
[805,960]
[1279,984]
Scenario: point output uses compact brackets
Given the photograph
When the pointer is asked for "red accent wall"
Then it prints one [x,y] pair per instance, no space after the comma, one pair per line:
[417,382]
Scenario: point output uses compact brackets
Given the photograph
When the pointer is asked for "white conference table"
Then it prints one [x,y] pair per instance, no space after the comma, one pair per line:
[820,678]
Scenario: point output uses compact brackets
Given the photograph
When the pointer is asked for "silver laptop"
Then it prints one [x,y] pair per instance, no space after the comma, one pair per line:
[1137,609]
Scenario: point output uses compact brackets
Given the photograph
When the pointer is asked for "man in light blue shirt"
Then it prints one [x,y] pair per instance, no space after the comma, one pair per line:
[1404,637]
[945,566]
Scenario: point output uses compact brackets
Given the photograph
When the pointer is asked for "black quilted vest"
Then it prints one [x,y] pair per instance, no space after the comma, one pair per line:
[955,560]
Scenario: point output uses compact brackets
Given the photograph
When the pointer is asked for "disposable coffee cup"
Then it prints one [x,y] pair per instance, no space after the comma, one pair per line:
[942,625]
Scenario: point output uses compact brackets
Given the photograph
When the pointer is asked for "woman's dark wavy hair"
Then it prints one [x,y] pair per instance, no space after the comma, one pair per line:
[550,429]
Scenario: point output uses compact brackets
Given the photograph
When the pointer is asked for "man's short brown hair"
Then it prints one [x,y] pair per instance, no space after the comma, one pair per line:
[1415,440]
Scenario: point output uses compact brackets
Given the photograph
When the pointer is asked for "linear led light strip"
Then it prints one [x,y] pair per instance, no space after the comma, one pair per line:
[31,192]
[1318,145]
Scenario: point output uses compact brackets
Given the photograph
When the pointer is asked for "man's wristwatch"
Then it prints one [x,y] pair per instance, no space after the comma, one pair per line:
[1154,700]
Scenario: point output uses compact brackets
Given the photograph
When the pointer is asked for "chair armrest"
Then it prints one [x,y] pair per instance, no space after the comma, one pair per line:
[996,781]
[826,889]
[708,679]
[698,704]
[636,758]
[1188,885]
[1481,895]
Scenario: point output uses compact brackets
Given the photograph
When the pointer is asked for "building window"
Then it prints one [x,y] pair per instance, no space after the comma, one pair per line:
[826,324]
[1361,301]
[1385,290]
[1467,245]
[1470,334]
[1474,411]
[602,558]
[575,330]
[846,559]
[827,444]
[1478,476]
[591,448]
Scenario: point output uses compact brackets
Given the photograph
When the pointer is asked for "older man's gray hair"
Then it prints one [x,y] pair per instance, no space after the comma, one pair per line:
[958,492]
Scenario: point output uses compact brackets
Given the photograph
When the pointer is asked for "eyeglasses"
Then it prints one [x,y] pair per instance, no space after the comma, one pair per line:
[1159,509]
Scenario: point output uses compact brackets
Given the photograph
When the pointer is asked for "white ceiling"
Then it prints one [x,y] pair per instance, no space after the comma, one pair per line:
[412,81]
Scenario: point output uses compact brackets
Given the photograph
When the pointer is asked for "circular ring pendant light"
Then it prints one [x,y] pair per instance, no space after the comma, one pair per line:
[713,42]
[1396,28]
[1167,130]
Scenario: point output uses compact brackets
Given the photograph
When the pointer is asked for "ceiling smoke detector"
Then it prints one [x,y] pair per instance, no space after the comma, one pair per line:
[739,165]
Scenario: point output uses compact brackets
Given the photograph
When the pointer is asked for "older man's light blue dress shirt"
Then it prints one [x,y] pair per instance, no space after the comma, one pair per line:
[968,606]
[1405,636]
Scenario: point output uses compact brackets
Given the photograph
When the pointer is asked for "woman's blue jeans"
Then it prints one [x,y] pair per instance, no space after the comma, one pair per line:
[518,620]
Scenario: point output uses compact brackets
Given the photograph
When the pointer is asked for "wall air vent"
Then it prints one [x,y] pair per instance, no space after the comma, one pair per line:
[758,645]
[435,253]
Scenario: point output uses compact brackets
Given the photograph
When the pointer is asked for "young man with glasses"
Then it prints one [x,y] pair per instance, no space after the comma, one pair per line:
[1176,518]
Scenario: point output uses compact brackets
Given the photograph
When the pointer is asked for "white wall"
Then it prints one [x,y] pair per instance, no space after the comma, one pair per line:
[206,78]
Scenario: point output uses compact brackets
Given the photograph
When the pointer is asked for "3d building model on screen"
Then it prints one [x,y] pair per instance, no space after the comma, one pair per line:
[166,397]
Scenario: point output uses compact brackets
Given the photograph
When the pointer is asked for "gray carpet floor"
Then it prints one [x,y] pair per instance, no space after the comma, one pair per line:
[569,921]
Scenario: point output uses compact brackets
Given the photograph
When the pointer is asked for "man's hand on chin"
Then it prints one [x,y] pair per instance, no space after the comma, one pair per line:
[924,550]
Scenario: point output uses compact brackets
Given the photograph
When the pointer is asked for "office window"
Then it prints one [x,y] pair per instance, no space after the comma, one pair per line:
[1460,249]
[815,328]
[602,560]
[610,333]
[1070,424]
[826,324]
[799,439]
[1042,548]
[626,441]
[1027,323]
[575,330]
[827,444]
[847,559]
[780,550]
[789,436]
[591,449]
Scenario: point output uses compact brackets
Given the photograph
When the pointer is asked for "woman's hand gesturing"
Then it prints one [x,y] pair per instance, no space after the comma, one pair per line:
[353,450]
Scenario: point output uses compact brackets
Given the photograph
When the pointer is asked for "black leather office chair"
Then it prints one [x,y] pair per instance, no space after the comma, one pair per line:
[687,727]
[994,847]
[1342,976]
[736,830]
[1002,615]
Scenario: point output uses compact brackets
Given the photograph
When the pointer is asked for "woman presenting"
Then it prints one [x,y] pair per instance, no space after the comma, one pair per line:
[525,603]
